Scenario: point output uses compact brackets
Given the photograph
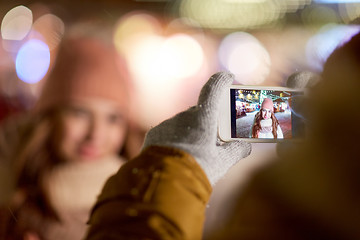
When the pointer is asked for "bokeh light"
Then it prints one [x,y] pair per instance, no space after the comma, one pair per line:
[235,14]
[243,55]
[181,56]
[133,26]
[51,28]
[32,61]
[159,66]
[319,15]
[350,12]
[161,60]
[16,23]
[320,46]
[336,1]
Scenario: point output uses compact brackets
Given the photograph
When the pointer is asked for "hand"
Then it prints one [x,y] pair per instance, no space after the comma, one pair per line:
[298,80]
[195,131]
[301,80]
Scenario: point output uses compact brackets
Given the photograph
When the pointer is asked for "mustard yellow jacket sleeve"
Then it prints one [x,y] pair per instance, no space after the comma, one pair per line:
[161,194]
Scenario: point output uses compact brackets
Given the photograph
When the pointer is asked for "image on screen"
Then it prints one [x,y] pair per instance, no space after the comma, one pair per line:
[264,114]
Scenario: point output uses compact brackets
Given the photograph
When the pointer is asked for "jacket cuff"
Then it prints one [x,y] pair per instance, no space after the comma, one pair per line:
[161,181]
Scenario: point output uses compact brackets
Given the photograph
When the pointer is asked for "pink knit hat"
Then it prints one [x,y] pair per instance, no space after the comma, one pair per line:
[268,104]
[85,67]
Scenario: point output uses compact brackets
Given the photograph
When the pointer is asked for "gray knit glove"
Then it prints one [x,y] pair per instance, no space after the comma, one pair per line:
[195,131]
[299,105]
[302,80]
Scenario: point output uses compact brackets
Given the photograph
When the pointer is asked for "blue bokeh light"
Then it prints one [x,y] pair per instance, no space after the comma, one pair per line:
[32,61]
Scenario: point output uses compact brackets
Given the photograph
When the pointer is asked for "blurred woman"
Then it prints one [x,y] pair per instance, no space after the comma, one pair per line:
[71,143]
[265,123]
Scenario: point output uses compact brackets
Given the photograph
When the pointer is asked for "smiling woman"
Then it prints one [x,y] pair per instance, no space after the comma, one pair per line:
[70,143]
[92,129]
[265,123]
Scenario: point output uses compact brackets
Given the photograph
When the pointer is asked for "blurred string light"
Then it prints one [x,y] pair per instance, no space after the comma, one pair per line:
[158,64]
[16,23]
[243,55]
[32,61]
[235,14]
[320,46]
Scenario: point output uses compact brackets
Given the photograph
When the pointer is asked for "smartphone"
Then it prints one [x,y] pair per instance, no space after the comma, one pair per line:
[260,114]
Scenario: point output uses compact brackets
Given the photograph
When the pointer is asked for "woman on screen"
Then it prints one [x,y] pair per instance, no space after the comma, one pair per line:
[265,123]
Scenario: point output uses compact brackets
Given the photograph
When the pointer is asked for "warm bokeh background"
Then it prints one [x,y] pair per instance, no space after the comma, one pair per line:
[172,47]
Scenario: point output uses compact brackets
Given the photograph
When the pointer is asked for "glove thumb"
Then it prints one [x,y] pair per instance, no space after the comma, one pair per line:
[229,154]
[235,150]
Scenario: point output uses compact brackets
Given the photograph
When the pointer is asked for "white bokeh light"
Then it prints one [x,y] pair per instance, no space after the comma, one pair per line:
[16,23]
[159,66]
[181,56]
[243,55]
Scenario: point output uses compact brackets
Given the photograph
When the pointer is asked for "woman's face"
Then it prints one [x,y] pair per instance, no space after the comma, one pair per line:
[92,129]
[266,113]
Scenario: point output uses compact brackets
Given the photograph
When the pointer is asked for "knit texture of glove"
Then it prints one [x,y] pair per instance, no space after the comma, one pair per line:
[301,80]
[196,131]
[299,104]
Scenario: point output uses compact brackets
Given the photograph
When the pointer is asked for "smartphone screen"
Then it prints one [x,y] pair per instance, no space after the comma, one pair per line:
[265,114]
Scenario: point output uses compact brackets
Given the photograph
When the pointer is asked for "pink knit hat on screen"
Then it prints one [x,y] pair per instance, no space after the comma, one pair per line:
[268,104]
[85,67]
